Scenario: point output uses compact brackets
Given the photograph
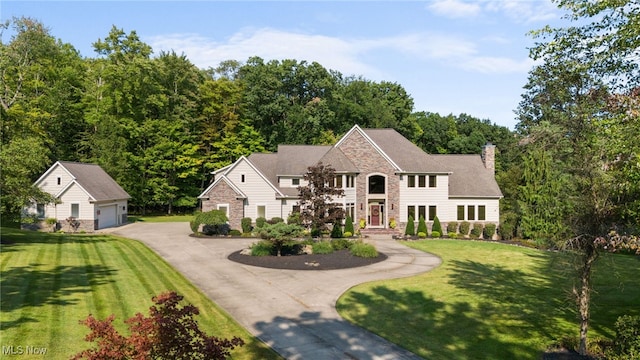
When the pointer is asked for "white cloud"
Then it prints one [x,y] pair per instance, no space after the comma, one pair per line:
[488,64]
[267,43]
[518,11]
[455,8]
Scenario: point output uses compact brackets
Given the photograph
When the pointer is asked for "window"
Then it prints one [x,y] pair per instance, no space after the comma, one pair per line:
[242,177]
[432,212]
[350,181]
[482,212]
[295,182]
[262,211]
[225,208]
[40,210]
[422,212]
[432,181]
[411,181]
[411,212]
[460,212]
[75,210]
[471,212]
[421,181]
[338,181]
[59,180]
[296,209]
[350,210]
[376,184]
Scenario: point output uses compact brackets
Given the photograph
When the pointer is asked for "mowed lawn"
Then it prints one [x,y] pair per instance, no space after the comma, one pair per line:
[49,282]
[491,301]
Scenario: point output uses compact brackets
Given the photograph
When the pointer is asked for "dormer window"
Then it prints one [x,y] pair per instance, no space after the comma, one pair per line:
[295,182]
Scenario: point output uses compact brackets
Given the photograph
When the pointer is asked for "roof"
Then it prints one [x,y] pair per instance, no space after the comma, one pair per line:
[405,154]
[95,181]
[469,177]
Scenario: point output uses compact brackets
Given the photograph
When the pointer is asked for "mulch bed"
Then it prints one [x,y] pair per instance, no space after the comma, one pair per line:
[341,259]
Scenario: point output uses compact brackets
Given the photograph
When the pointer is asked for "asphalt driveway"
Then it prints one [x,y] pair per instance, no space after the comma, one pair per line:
[291,311]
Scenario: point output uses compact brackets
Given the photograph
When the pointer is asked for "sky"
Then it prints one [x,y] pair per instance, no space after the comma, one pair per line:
[451,56]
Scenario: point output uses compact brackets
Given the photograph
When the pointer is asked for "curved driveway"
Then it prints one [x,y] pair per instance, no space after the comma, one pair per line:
[291,311]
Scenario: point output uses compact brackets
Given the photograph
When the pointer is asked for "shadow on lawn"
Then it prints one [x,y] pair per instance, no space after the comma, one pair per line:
[428,327]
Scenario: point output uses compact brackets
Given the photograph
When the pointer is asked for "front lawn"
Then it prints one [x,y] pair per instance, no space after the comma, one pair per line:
[51,281]
[491,301]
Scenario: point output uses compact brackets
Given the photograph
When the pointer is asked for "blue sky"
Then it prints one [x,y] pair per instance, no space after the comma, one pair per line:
[452,56]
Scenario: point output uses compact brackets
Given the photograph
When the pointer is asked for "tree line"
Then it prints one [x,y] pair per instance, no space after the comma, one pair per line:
[159,125]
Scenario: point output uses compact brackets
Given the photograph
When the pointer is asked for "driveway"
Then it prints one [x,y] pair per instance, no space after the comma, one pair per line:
[291,311]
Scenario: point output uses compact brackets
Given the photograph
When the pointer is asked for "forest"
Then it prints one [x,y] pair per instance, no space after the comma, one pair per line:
[159,125]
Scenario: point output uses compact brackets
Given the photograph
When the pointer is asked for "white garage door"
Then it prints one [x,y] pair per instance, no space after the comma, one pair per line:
[107,216]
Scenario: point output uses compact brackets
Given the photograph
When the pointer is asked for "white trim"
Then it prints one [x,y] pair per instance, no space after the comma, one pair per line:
[71,183]
[226,180]
[227,206]
[46,173]
[258,212]
[71,210]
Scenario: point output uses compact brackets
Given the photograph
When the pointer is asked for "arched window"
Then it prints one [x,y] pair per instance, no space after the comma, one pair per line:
[376,184]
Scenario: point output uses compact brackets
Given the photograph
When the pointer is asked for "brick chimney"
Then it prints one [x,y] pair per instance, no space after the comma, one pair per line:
[489,157]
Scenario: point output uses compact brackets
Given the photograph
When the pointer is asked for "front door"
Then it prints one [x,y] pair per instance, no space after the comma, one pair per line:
[374,211]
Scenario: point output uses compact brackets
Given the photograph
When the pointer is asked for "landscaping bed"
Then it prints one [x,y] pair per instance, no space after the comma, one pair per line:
[341,259]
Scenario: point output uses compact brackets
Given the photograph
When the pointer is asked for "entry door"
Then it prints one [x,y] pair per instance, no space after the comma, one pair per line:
[374,211]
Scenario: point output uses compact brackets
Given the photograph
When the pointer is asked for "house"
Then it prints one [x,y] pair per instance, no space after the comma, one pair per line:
[384,176]
[83,192]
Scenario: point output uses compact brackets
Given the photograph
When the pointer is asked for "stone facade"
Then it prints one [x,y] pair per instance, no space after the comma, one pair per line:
[371,162]
[224,194]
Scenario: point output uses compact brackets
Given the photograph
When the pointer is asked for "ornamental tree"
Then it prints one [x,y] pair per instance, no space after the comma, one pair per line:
[317,206]
[169,332]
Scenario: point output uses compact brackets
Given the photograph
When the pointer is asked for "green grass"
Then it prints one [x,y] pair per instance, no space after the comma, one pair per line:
[50,282]
[491,301]
[160,218]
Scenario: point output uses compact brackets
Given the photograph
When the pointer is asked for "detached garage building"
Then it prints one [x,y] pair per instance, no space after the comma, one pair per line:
[85,194]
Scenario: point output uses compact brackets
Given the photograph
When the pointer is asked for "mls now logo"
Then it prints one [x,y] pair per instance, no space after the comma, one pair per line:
[23,350]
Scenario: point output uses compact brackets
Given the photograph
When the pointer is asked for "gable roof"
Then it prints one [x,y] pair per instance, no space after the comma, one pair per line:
[92,179]
[217,181]
[407,155]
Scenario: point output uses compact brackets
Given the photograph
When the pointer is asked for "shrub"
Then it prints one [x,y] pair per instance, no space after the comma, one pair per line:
[52,222]
[464,228]
[435,234]
[508,224]
[489,231]
[322,247]
[275,220]
[436,227]
[169,332]
[280,233]
[336,232]
[477,230]
[316,232]
[294,219]
[260,222]
[422,234]
[348,226]
[246,225]
[452,227]
[361,249]
[452,235]
[422,225]
[363,223]
[347,234]
[235,232]
[410,230]
[261,248]
[339,244]
[216,229]
[627,340]
[214,218]
[393,223]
